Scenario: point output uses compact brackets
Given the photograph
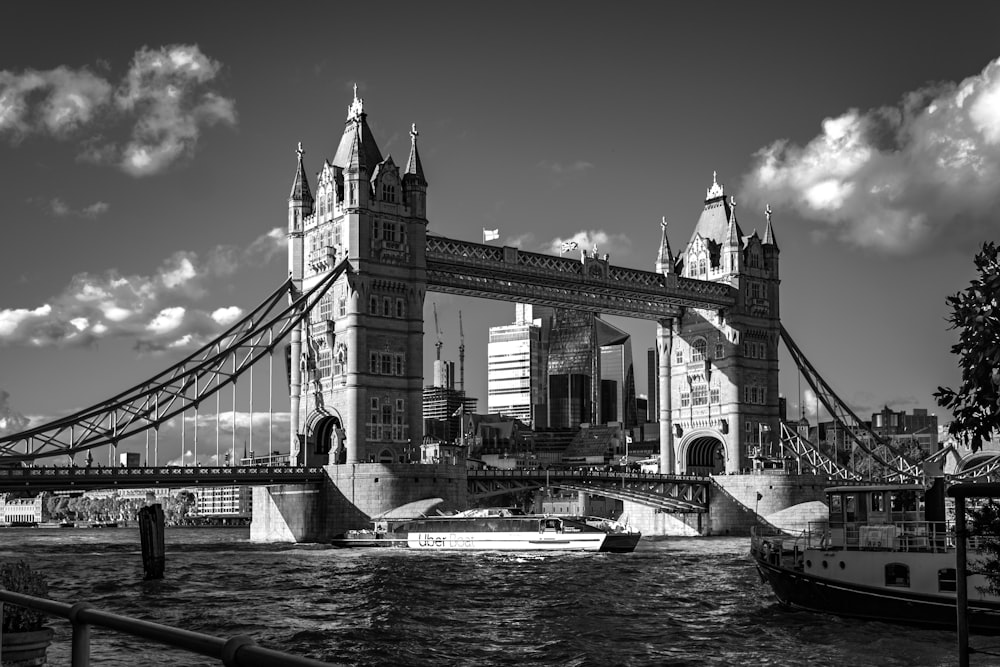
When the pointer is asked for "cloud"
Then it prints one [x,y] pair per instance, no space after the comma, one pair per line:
[561,169]
[159,311]
[895,179]
[605,243]
[164,99]
[11,421]
[61,209]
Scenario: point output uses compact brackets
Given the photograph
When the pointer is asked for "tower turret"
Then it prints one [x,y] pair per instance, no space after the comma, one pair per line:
[414,183]
[300,206]
[665,262]
[732,246]
[357,155]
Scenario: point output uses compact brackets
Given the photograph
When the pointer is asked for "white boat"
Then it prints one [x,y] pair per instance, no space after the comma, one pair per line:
[886,553]
[498,529]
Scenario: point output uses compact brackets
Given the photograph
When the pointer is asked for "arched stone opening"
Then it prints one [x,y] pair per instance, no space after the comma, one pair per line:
[324,439]
[705,455]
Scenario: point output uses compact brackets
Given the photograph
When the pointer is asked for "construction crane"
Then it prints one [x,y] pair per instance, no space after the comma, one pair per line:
[461,354]
[437,330]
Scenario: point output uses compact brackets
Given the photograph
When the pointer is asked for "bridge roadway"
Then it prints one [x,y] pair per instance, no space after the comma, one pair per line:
[665,493]
[50,479]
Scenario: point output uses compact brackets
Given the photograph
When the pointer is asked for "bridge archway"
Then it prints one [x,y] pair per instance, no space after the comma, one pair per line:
[324,438]
[703,452]
[974,460]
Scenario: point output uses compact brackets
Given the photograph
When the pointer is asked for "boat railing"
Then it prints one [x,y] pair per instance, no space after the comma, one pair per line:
[238,651]
[934,536]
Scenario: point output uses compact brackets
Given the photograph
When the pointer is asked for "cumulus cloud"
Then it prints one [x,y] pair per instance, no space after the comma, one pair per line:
[11,421]
[895,179]
[61,209]
[605,243]
[165,99]
[159,311]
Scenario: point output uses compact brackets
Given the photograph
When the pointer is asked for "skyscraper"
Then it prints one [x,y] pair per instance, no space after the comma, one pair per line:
[516,374]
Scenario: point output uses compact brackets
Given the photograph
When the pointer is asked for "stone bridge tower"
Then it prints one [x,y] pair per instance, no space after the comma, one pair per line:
[356,366]
[724,378]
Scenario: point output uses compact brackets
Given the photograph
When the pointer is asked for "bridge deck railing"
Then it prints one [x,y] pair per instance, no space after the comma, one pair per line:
[238,651]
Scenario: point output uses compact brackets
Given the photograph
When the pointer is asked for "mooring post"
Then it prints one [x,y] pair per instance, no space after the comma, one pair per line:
[151,534]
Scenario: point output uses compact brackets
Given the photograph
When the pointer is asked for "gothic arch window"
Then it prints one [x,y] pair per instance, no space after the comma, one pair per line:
[701,267]
[373,305]
[698,350]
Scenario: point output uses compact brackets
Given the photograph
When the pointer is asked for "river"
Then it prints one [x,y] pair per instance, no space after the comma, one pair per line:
[671,602]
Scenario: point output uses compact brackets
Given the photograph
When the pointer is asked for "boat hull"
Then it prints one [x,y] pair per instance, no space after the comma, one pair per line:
[806,591]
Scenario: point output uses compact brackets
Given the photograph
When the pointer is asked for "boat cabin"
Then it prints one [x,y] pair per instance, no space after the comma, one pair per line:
[893,517]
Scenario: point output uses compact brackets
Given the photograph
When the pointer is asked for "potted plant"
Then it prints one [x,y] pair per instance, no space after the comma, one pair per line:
[24,637]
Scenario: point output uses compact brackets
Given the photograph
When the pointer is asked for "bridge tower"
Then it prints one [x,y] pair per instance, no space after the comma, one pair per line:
[725,407]
[356,365]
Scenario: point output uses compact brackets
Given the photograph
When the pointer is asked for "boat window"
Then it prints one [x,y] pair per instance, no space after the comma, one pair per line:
[850,513]
[877,501]
[897,574]
[946,579]
[552,524]
[836,508]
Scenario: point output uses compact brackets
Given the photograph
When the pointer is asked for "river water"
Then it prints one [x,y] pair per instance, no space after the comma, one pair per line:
[671,602]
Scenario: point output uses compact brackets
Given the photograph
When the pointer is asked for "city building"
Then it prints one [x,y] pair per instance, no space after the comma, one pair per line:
[224,502]
[517,380]
[917,430]
[23,510]
[443,407]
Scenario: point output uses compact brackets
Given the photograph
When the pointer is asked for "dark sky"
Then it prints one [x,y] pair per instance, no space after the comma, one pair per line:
[147,151]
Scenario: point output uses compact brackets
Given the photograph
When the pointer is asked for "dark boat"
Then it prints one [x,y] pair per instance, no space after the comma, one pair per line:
[886,553]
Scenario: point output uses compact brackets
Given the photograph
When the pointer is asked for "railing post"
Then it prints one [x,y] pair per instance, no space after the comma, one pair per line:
[80,655]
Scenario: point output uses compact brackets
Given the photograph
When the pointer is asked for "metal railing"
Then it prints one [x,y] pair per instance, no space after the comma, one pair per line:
[238,651]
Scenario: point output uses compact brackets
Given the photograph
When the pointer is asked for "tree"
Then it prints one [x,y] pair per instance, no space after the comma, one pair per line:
[976,314]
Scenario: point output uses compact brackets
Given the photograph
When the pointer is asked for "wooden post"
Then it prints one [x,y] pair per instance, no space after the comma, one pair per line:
[151,533]
[961,588]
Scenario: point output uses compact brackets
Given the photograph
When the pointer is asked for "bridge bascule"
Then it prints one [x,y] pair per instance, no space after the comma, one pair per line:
[346,332]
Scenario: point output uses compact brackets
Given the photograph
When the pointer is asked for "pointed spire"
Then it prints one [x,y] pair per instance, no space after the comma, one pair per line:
[413,166]
[733,232]
[357,147]
[356,109]
[716,190]
[300,185]
[769,238]
[665,260]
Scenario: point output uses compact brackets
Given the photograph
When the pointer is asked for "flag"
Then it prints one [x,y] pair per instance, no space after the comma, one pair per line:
[490,234]
[628,439]
[759,495]
[567,246]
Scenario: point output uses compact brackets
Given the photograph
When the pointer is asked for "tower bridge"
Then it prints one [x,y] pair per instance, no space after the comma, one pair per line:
[349,321]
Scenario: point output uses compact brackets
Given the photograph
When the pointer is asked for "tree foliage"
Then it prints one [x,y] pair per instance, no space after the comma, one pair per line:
[975,405]
[984,524]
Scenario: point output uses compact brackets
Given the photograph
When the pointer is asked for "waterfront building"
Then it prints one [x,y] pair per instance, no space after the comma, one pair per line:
[516,367]
[23,510]
[724,372]
[223,502]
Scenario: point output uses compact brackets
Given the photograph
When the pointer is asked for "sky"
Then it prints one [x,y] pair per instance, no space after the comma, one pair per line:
[147,152]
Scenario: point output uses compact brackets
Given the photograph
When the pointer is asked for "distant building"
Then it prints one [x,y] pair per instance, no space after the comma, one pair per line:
[516,370]
[918,429]
[23,510]
[224,502]
[442,411]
